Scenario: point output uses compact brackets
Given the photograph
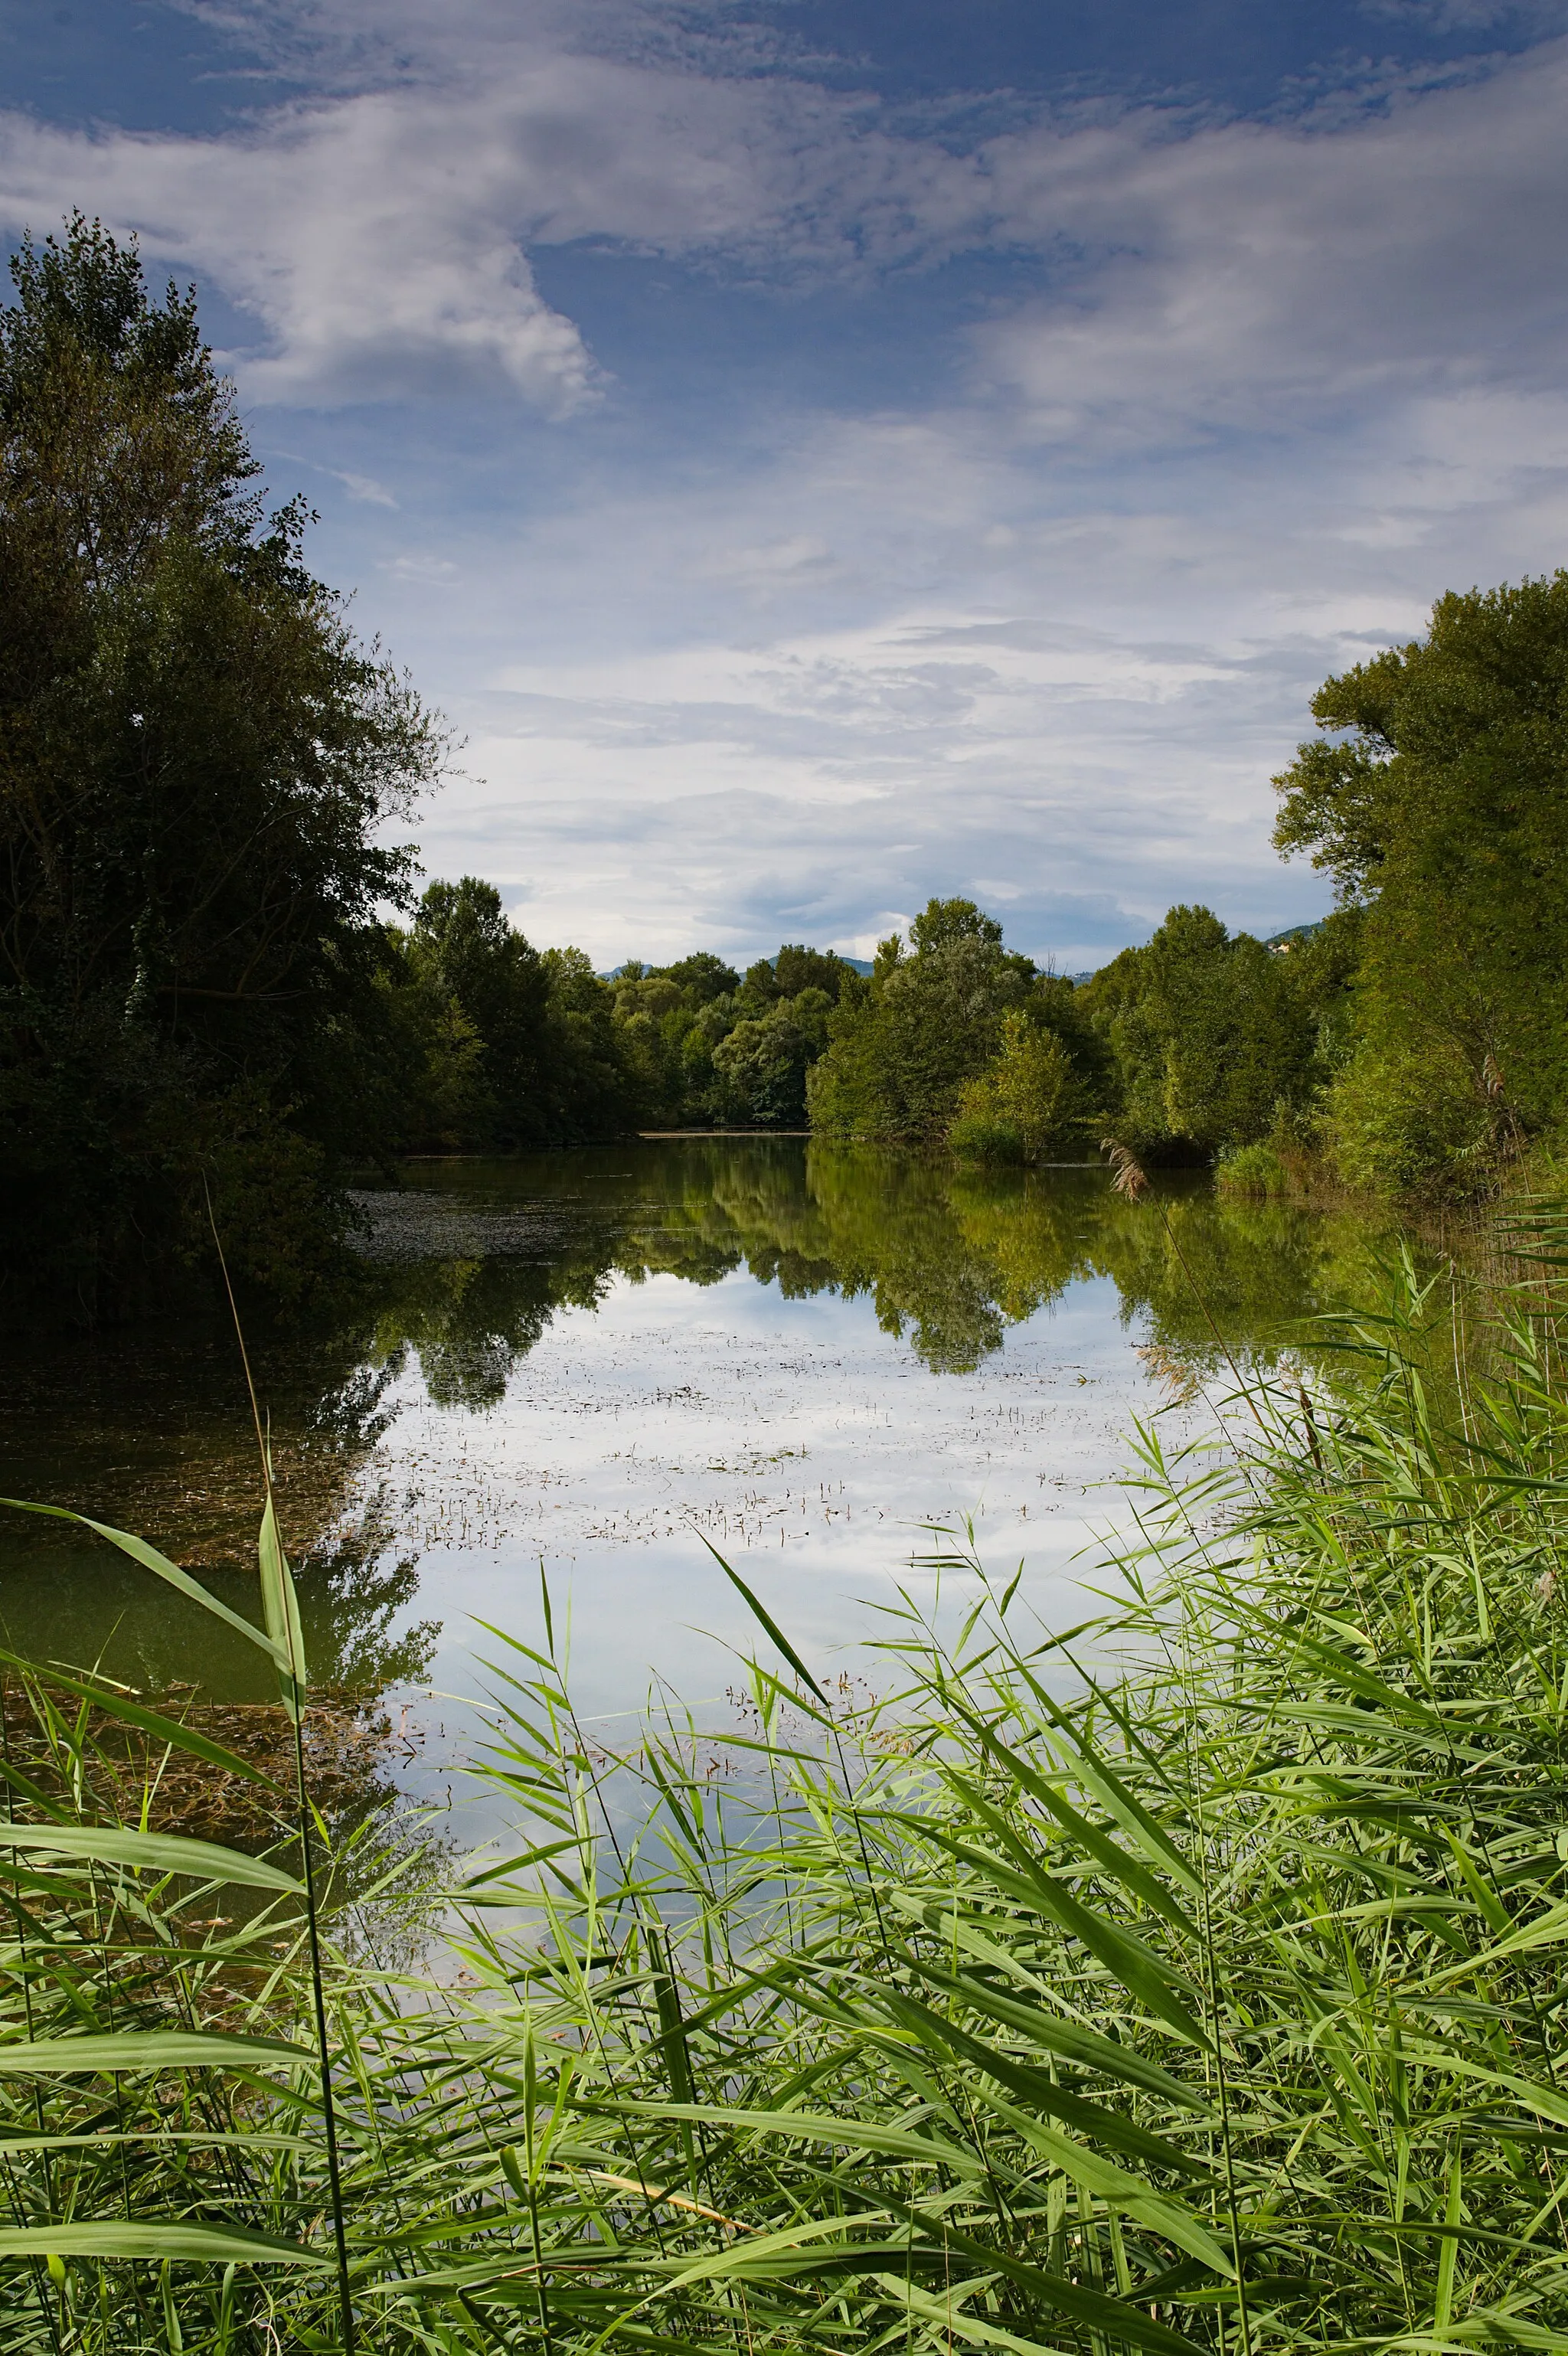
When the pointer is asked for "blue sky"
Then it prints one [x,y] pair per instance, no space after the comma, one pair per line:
[824,453]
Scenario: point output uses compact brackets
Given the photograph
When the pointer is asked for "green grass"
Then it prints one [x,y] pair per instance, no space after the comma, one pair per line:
[1196,1981]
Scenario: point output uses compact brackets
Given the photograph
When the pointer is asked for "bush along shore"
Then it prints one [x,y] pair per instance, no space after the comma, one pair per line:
[1195,1981]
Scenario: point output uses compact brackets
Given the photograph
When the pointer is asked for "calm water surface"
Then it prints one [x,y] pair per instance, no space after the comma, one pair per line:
[596,1361]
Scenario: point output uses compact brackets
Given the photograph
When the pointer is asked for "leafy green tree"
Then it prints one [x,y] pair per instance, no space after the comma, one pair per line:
[653,1013]
[432,1058]
[1438,802]
[758,991]
[901,1047]
[1031,1101]
[953,924]
[468,953]
[797,968]
[501,1045]
[593,1090]
[764,1065]
[197,765]
[1210,1036]
[712,1046]
[702,976]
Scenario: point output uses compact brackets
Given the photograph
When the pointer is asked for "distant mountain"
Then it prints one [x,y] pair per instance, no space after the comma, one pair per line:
[860,965]
[1280,942]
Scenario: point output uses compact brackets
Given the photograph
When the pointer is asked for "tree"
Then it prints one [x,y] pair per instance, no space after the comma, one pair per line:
[901,1047]
[197,764]
[1031,1101]
[501,986]
[948,924]
[1439,805]
[764,1065]
[592,1090]
[711,1046]
[503,1046]
[1210,1038]
[702,975]
[797,968]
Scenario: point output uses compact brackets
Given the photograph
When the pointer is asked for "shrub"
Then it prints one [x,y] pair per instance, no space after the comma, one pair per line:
[1253,1173]
[980,1137]
[1029,1102]
[1408,1122]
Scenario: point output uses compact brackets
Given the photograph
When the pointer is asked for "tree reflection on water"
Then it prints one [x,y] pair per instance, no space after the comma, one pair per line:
[951,1258]
[468,1266]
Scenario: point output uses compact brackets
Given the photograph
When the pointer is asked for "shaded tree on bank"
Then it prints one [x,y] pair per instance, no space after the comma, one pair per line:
[197,763]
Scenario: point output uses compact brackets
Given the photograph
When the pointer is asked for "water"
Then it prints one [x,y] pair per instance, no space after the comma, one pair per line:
[596,1362]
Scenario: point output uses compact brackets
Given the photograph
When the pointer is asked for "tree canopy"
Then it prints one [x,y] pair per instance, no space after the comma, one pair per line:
[1437,799]
[903,1043]
[198,763]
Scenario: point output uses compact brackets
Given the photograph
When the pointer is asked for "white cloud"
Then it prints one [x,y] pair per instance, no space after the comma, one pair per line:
[365,487]
[1090,716]
[381,236]
[1257,392]
[1187,275]
[1253,276]
[434,570]
[363,236]
[800,556]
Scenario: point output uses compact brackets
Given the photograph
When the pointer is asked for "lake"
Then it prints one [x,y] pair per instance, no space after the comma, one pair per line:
[608,1362]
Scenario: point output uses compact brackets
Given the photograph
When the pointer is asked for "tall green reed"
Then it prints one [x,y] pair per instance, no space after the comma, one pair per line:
[1195,1981]
[279,1606]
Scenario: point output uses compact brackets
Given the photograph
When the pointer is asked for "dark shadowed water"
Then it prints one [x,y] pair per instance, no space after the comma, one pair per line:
[597,1361]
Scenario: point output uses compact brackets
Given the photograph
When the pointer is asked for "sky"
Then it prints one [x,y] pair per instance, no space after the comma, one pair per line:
[819,453]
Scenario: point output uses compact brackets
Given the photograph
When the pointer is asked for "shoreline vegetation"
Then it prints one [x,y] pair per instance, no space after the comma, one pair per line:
[1190,1981]
[220,990]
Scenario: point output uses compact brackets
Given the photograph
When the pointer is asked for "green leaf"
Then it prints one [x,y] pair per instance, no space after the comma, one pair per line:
[808,2126]
[1066,2038]
[281,1605]
[1108,1853]
[150,1853]
[1037,2088]
[1115,2318]
[1118,1802]
[164,1729]
[151,1559]
[146,2049]
[216,2244]
[1126,1958]
[765,1619]
[1095,1839]
[1101,2178]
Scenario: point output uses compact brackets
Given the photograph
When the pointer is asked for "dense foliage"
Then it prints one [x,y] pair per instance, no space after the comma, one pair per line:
[496,1045]
[1217,1039]
[714,1047]
[200,997]
[1438,802]
[953,1025]
[197,765]
[1192,1046]
[1411,1043]
[499,1044]
[1194,1983]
